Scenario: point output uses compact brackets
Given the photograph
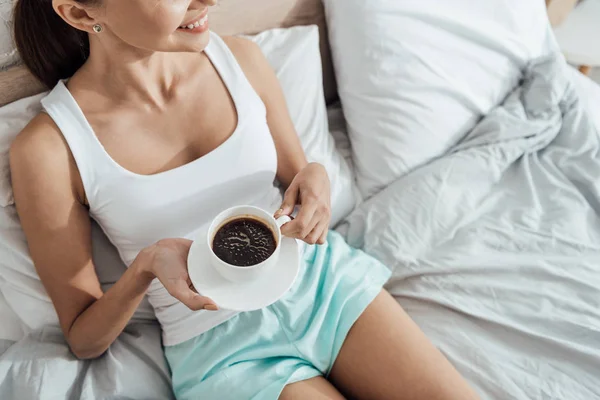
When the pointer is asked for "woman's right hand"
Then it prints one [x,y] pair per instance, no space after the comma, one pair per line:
[167,261]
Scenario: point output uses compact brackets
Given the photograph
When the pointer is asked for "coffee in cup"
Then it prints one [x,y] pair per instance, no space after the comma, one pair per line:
[244,241]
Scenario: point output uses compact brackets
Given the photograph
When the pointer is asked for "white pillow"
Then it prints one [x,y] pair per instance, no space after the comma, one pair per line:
[294,54]
[415,76]
[13,118]
[8,53]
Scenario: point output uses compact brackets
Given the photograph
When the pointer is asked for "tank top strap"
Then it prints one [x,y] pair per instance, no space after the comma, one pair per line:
[225,63]
[60,105]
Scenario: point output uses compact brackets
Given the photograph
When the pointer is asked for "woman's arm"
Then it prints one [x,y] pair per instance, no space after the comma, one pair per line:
[307,184]
[48,193]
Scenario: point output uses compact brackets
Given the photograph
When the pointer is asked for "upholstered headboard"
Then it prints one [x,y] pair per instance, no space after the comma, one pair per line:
[229,17]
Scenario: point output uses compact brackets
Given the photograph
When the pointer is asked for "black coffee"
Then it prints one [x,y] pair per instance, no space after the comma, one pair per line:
[244,242]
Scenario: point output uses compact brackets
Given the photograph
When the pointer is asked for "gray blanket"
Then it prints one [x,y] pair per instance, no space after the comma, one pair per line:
[495,247]
[41,367]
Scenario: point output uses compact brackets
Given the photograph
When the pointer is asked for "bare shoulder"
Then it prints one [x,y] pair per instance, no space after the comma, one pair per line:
[38,142]
[253,62]
[40,154]
[245,50]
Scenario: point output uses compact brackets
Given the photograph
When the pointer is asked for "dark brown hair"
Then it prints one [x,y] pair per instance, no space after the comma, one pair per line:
[49,47]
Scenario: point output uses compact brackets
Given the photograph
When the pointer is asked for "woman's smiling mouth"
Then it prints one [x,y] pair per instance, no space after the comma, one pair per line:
[199,25]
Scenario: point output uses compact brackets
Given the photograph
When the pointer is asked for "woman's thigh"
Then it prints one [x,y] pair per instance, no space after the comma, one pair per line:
[387,356]
[317,388]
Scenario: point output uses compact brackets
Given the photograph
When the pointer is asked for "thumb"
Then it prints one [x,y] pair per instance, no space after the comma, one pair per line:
[289,202]
[183,244]
[184,293]
[196,302]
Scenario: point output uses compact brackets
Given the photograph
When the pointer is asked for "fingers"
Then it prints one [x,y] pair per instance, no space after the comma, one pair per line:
[319,227]
[183,242]
[323,237]
[303,224]
[290,199]
[319,234]
[184,245]
[183,292]
[178,244]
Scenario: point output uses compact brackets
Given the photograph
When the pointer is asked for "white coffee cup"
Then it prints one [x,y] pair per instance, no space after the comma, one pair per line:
[235,273]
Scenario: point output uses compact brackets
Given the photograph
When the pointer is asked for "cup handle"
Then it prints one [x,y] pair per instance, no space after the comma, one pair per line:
[284,219]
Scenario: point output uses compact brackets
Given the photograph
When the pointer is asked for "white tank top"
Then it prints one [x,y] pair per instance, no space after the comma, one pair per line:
[136,211]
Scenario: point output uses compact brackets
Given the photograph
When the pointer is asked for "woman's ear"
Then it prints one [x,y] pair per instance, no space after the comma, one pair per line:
[75,14]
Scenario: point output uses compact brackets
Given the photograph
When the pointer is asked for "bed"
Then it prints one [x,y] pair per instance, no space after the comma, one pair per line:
[494,243]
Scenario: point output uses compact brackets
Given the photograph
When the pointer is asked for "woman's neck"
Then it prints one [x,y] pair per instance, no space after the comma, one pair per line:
[133,75]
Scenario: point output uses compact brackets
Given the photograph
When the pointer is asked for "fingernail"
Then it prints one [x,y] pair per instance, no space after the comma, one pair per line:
[211,307]
[278,211]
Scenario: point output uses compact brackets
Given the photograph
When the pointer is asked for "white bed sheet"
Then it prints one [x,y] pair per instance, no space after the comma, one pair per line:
[495,247]
[589,91]
[10,325]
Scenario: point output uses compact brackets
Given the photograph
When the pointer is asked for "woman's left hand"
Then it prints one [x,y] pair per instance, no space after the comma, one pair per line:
[311,190]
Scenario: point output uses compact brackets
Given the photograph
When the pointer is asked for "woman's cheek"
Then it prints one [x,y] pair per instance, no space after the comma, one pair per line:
[152,20]
[170,15]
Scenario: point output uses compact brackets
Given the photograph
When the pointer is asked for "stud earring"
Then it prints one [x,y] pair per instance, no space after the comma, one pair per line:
[97,28]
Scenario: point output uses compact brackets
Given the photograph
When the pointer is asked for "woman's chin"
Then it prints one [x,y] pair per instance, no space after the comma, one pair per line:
[195,43]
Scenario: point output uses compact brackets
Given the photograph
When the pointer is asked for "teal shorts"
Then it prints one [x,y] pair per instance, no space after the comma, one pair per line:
[254,355]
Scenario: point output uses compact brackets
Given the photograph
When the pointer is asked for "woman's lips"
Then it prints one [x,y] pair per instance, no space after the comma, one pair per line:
[198,26]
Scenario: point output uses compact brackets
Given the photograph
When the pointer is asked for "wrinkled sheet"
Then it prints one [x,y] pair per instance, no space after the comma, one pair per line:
[495,247]
[41,367]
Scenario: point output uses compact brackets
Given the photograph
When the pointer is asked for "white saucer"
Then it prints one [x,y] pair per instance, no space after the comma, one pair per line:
[245,296]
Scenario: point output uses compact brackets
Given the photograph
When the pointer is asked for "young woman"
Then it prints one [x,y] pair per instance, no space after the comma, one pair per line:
[161,125]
